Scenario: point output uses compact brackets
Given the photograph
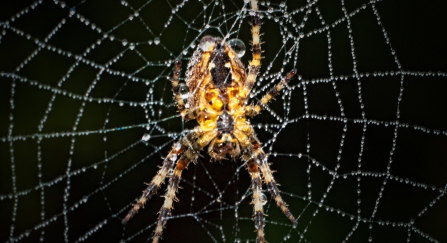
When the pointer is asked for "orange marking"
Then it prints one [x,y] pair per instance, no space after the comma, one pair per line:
[252,167]
[181,164]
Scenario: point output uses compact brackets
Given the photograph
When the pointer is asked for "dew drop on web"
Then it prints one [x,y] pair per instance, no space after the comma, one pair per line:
[184,92]
[238,46]
[263,199]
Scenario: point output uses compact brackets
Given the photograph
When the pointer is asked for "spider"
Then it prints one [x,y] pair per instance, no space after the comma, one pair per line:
[219,86]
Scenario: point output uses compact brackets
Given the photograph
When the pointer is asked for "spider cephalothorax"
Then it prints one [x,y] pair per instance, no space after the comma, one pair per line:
[218,89]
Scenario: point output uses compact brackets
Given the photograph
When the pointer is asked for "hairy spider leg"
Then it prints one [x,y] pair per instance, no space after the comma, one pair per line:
[159,178]
[189,155]
[256,154]
[255,64]
[173,186]
[261,158]
[176,89]
[255,110]
[184,110]
[251,159]
[256,187]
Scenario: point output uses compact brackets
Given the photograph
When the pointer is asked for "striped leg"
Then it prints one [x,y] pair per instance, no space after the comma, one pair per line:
[190,155]
[159,178]
[256,187]
[273,188]
[254,110]
[261,159]
[156,181]
[186,113]
[170,197]
[255,64]
[176,89]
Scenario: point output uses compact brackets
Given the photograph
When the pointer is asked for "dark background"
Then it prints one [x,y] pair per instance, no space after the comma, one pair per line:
[110,163]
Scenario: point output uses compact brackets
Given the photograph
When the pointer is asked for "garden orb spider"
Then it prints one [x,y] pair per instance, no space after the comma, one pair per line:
[219,87]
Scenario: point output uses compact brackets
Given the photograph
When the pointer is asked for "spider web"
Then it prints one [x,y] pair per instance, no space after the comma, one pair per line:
[358,139]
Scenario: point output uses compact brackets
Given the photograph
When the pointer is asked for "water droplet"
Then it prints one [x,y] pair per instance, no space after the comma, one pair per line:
[238,46]
[263,199]
[146,137]
[184,91]
[156,40]
[124,42]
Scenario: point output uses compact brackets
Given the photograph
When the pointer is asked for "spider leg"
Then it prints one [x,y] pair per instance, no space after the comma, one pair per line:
[254,152]
[250,158]
[159,178]
[182,107]
[254,110]
[170,197]
[190,155]
[184,111]
[255,64]
[256,187]
[261,159]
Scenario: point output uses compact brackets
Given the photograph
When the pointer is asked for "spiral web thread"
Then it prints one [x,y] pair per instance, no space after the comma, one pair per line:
[358,139]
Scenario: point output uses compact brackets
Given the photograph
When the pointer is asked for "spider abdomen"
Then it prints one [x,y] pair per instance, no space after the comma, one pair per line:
[216,80]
